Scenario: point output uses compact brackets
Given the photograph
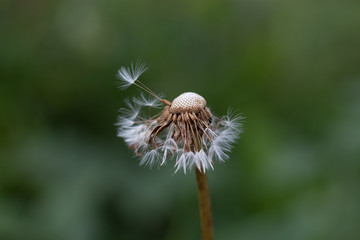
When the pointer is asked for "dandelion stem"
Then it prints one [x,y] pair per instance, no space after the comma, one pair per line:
[207,232]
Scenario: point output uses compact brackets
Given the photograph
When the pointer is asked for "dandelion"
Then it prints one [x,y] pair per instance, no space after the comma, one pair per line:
[185,131]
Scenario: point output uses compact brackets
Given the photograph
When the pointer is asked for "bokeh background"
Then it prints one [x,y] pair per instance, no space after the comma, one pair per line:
[290,67]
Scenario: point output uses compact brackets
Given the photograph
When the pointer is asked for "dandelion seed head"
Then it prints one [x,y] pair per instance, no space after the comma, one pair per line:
[185,130]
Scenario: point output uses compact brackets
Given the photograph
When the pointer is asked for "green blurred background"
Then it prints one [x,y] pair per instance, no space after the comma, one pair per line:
[290,67]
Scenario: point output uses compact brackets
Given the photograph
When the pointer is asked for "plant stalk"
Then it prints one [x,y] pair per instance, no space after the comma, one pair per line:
[207,232]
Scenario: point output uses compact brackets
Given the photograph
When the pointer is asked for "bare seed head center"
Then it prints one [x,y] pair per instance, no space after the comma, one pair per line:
[188,102]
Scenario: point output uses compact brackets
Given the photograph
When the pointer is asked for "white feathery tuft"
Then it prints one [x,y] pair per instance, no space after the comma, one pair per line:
[131,127]
[168,148]
[202,161]
[147,101]
[129,75]
[131,113]
[208,136]
[150,158]
[181,162]
[227,134]
[187,160]
[137,134]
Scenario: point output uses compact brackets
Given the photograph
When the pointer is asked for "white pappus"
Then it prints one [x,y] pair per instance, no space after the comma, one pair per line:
[185,130]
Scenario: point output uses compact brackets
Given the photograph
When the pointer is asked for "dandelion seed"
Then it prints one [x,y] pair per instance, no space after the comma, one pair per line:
[184,130]
[147,101]
[128,76]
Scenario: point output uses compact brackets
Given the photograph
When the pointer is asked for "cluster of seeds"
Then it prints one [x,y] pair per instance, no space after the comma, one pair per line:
[185,128]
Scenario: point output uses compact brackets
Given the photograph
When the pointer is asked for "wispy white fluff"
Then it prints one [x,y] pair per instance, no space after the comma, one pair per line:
[202,161]
[131,112]
[168,149]
[226,135]
[136,134]
[187,160]
[132,128]
[147,101]
[128,75]
[182,161]
[209,135]
[150,158]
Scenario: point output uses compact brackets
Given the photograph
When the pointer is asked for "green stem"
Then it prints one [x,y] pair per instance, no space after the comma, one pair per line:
[207,232]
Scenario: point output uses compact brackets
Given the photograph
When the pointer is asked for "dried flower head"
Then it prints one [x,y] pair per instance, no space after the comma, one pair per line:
[185,129]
